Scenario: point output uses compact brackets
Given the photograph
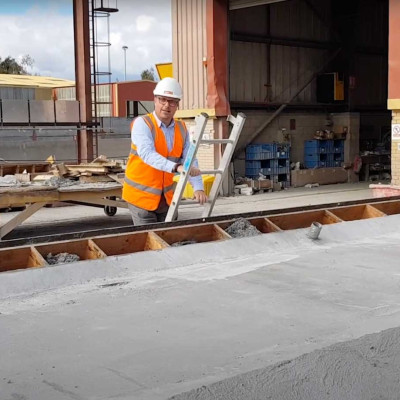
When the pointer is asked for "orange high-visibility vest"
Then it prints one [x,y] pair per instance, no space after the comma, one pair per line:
[144,185]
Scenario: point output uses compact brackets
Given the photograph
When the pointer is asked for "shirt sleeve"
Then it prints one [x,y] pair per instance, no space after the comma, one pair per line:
[195,181]
[143,139]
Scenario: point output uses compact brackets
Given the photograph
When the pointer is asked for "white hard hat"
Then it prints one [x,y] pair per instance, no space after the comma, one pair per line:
[168,87]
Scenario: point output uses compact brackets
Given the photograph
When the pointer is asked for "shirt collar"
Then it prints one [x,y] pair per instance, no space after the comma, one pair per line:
[160,123]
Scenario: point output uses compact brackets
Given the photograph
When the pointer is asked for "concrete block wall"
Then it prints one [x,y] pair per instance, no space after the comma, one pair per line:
[396,151]
[205,154]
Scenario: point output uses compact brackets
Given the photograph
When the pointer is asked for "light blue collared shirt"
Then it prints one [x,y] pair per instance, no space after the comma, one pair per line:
[141,136]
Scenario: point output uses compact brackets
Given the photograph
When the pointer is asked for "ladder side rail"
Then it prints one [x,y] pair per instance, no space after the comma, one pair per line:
[238,123]
[201,122]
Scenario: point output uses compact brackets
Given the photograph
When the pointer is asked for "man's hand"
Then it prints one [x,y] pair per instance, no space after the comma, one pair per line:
[200,196]
[193,171]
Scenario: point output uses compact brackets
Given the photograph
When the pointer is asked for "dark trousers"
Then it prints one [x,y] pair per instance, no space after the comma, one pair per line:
[141,216]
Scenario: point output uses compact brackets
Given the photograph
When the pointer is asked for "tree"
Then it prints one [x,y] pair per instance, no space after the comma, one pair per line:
[148,74]
[27,61]
[11,66]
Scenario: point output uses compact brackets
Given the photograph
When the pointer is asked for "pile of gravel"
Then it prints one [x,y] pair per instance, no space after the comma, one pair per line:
[242,228]
[61,258]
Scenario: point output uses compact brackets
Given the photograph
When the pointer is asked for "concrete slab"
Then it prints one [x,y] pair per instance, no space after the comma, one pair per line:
[153,324]
[367,368]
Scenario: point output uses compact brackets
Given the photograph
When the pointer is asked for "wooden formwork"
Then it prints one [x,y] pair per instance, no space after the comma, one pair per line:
[34,256]
[17,168]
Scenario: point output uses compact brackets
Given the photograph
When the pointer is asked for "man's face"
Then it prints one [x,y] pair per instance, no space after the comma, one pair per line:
[165,108]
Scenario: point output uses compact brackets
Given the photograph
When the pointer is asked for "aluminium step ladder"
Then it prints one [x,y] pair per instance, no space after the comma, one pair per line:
[201,121]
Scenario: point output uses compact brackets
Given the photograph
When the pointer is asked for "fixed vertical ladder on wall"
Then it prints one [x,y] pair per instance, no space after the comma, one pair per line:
[220,173]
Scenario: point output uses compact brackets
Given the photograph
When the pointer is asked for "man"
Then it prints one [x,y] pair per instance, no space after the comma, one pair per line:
[158,149]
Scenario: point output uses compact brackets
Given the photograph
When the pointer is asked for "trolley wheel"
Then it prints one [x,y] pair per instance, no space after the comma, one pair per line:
[109,210]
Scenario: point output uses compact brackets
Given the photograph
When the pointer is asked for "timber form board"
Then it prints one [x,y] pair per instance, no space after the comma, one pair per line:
[34,256]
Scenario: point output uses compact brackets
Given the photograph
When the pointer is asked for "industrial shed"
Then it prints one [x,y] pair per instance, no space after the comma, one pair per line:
[117,99]
[26,87]
[294,67]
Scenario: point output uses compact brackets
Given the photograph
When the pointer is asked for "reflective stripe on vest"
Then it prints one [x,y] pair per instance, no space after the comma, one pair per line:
[144,188]
[169,188]
[182,130]
[150,124]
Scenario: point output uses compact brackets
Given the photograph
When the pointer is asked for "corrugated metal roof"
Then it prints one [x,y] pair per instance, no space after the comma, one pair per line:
[33,81]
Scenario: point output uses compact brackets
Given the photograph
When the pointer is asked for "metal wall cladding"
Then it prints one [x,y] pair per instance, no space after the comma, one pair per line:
[371,88]
[103,96]
[296,19]
[290,68]
[248,72]
[189,47]
[261,72]
[252,20]
[104,100]
[16,93]
[67,93]
[372,24]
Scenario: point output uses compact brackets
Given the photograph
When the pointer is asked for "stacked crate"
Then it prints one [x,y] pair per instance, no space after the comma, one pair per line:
[323,153]
[270,159]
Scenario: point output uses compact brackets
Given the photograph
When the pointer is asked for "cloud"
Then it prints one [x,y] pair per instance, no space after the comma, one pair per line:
[46,34]
[144,23]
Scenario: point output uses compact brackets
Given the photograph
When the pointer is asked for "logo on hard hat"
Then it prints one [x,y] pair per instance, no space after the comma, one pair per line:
[168,92]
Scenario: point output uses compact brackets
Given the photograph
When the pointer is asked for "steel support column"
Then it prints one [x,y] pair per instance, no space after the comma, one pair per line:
[82,77]
[394,52]
[217,56]
[394,86]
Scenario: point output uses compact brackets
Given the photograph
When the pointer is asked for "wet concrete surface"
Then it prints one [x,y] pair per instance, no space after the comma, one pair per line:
[152,325]
[363,369]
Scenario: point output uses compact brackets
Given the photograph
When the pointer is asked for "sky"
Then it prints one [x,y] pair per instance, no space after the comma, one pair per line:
[44,30]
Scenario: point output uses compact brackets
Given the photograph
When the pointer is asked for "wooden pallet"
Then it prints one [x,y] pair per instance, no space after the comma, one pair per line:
[158,239]
[19,168]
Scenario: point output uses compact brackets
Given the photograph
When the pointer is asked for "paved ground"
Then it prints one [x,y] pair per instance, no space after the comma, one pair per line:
[152,325]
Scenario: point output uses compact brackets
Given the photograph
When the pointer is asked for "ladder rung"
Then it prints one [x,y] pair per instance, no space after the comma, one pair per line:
[211,172]
[188,202]
[216,141]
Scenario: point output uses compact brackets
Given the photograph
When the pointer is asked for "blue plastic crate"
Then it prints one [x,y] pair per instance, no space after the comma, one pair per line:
[282,166]
[316,164]
[252,171]
[269,147]
[282,150]
[316,157]
[338,156]
[253,164]
[338,146]
[266,171]
[317,146]
[260,155]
